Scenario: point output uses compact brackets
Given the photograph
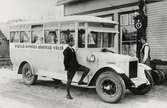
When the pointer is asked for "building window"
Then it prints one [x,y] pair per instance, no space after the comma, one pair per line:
[128,34]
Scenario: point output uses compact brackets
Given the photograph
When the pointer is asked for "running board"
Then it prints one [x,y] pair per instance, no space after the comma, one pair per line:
[76,84]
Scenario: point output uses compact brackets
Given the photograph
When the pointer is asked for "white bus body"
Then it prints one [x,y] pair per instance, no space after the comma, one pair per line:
[33,43]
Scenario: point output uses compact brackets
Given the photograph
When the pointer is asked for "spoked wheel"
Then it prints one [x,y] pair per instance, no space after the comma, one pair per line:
[29,77]
[144,88]
[110,87]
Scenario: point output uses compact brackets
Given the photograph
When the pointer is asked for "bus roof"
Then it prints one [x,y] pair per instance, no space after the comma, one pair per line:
[76,18]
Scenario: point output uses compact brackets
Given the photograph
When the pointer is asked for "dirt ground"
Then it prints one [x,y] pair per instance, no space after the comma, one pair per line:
[46,94]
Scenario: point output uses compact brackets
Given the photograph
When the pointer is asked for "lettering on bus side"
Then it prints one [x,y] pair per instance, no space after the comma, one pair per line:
[44,47]
[58,48]
[49,47]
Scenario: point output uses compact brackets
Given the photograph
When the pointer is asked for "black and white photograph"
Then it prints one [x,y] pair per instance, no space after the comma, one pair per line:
[83,54]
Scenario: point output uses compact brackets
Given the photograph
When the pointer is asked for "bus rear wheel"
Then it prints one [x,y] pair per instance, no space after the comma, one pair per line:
[110,87]
[29,78]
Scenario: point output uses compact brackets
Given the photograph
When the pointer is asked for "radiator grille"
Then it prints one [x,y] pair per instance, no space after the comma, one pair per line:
[133,69]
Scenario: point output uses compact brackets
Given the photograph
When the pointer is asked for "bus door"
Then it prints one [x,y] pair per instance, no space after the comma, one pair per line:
[85,47]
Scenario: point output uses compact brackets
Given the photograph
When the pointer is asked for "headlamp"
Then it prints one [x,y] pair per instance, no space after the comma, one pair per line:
[91,58]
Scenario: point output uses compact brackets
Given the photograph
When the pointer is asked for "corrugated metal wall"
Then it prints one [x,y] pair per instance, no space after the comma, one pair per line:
[157,29]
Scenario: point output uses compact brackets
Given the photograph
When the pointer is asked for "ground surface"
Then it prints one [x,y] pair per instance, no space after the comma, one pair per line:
[45,94]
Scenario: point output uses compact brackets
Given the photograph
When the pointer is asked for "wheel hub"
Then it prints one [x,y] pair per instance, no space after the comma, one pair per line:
[28,74]
[108,87]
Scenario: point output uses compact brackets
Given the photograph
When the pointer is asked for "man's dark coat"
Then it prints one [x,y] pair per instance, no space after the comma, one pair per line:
[70,60]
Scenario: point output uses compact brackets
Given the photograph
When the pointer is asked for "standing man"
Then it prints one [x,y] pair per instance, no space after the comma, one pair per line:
[145,52]
[71,65]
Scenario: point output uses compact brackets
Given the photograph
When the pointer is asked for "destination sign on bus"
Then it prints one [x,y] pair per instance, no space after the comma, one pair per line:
[49,47]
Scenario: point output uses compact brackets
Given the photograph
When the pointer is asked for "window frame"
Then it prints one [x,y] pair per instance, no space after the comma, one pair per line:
[101,39]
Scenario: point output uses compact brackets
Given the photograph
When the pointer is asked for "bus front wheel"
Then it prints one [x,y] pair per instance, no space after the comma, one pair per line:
[110,87]
[29,77]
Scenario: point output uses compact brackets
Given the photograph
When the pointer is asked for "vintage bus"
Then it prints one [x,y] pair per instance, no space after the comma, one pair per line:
[36,49]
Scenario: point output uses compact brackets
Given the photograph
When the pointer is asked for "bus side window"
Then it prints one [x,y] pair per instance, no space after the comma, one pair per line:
[51,37]
[81,38]
[108,40]
[94,40]
[64,36]
[11,36]
[15,37]
[24,37]
[37,36]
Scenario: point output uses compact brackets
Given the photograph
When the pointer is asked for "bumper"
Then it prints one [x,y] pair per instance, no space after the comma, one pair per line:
[139,81]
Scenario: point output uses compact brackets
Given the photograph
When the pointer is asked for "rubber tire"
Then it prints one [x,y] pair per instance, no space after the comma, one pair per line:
[119,82]
[143,89]
[157,76]
[32,79]
[163,75]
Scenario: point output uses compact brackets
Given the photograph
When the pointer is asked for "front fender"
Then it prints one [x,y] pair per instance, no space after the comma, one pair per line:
[144,66]
[114,67]
[141,70]
[22,63]
[101,69]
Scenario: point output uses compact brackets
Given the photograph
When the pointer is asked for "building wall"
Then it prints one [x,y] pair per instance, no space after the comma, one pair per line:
[157,29]
[90,5]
